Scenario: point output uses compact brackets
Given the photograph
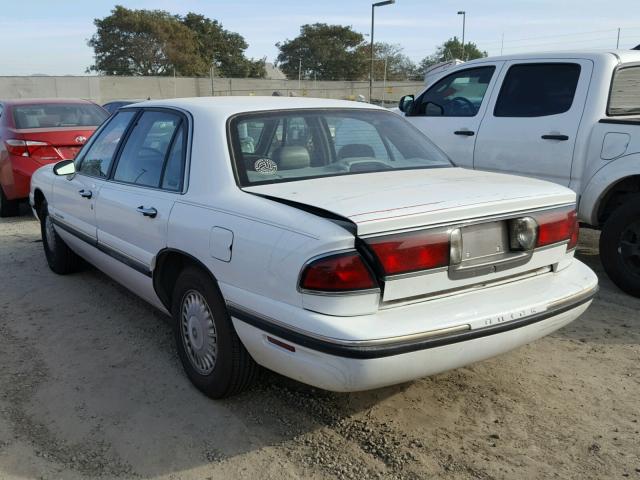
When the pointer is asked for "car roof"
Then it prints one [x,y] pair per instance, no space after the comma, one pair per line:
[40,101]
[232,105]
[622,56]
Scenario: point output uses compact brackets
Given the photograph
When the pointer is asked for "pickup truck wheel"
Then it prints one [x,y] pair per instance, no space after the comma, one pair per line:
[8,208]
[620,246]
[60,257]
[212,355]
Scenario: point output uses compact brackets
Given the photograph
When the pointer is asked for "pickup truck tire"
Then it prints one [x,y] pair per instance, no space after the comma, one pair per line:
[8,208]
[60,257]
[620,246]
[211,353]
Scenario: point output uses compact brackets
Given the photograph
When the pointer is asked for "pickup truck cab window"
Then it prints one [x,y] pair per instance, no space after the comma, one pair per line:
[97,160]
[537,90]
[148,148]
[624,98]
[457,95]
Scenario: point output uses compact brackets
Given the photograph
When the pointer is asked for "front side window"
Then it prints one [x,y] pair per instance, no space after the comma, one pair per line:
[302,144]
[97,160]
[457,95]
[537,90]
[625,92]
[148,148]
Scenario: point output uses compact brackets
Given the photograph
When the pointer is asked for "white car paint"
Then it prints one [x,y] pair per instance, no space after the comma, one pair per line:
[256,248]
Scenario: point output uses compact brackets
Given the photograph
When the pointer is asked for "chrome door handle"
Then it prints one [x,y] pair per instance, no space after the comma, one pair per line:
[85,193]
[147,212]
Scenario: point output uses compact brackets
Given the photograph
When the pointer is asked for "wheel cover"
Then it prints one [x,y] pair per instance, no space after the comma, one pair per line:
[198,332]
[49,233]
[629,248]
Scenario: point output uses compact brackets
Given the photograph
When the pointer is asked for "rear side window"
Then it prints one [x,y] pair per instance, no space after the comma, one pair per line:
[537,90]
[97,160]
[148,148]
[625,92]
[55,115]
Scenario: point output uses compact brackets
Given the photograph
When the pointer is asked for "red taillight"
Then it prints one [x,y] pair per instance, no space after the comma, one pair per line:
[558,226]
[32,148]
[412,251]
[337,273]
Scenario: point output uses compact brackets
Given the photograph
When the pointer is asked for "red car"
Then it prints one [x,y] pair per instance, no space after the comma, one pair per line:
[36,132]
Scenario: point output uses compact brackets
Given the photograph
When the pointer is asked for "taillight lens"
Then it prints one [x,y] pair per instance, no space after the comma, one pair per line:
[412,251]
[337,273]
[558,226]
[32,148]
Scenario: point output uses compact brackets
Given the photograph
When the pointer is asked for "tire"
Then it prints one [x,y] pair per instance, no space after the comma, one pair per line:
[8,208]
[219,368]
[60,257]
[620,246]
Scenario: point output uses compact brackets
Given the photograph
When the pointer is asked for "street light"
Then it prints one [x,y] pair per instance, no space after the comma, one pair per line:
[464,15]
[373,6]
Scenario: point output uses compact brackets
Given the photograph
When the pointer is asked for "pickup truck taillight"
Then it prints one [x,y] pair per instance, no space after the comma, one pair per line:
[557,226]
[341,272]
[32,148]
[411,251]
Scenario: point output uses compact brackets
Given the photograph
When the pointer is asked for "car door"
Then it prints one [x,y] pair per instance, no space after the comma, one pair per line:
[449,112]
[133,208]
[74,196]
[532,121]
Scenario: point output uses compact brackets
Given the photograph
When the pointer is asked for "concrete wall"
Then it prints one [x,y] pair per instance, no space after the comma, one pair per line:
[103,89]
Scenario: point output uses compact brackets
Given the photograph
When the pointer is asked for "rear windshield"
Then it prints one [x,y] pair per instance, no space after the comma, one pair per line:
[291,145]
[625,92]
[58,115]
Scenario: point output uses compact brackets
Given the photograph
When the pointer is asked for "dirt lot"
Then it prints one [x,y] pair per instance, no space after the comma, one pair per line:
[90,386]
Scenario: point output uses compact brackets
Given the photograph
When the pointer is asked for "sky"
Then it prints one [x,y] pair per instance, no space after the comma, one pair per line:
[50,36]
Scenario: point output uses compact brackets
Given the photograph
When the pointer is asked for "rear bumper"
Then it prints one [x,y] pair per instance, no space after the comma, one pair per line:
[351,365]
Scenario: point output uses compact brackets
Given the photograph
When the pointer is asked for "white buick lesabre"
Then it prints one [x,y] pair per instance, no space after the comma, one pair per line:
[329,241]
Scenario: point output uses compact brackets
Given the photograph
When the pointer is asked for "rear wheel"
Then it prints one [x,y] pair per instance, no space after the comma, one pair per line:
[8,208]
[212,355]
[60,257]
[620,246]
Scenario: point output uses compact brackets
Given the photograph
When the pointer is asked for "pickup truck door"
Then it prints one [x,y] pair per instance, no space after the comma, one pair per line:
[449,112]
[74,196]
[134,205]
[532,120]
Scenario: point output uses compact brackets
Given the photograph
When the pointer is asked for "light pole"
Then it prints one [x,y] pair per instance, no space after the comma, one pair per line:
[464,17]
[373,6]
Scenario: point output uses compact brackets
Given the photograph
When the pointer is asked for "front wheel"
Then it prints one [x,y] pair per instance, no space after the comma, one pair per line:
[212,355]
[620,246]
[60,257]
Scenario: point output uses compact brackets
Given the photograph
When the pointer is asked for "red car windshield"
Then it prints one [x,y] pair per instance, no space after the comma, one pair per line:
[58,115]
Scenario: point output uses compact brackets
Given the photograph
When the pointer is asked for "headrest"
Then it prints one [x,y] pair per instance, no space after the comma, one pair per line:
[291,157]
[356,150]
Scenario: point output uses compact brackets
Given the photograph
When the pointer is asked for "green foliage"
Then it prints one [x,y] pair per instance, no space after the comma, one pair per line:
[327,52]
[398,65]
[154,42]
[450,50]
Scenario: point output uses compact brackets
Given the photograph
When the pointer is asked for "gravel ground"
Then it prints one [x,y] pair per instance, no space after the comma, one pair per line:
[90,386]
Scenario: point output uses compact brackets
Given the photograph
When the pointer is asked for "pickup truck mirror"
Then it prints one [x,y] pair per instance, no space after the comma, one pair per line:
[65,167]
[405,103]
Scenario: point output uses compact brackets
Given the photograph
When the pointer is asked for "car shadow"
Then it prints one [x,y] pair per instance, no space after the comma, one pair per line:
[613,315]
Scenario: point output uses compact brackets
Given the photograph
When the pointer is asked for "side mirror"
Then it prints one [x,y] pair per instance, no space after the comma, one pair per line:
[405,103]
[433,110]
[65,167]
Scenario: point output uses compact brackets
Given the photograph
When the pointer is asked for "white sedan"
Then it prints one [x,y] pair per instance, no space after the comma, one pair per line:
[329,241]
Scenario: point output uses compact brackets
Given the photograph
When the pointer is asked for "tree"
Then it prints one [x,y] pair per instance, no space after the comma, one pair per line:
[224,48]
[450,50]
[399,66]
[154,42]
[143,42]
[324,52]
